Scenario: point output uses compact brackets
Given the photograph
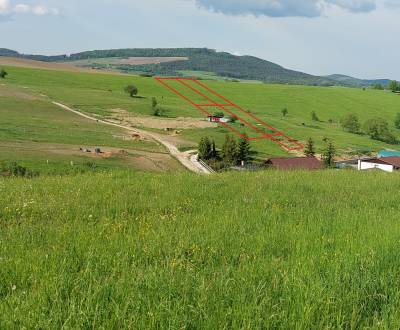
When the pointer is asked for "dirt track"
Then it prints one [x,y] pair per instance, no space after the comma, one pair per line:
[183,157]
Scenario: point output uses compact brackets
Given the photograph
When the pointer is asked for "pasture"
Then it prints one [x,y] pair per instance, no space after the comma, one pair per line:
[102,93]
[268,250]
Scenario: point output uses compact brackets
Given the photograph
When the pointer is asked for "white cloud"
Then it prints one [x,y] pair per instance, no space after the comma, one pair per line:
[291,8]
[4,7]
[8,9]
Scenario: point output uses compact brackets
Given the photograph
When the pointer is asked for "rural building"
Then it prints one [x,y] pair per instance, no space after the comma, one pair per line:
[298,163]
[388,153]
[351,163]
[387,164]
[213,119]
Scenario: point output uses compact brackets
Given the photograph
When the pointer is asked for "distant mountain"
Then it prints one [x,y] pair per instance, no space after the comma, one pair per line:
[199,60]
[351,81]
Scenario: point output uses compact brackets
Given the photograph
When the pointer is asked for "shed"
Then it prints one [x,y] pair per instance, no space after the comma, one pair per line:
[297,163]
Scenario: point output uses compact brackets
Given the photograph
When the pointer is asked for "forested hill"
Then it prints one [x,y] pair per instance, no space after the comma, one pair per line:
[198,60]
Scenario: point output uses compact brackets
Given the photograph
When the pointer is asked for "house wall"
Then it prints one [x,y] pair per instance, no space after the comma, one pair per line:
[369,166]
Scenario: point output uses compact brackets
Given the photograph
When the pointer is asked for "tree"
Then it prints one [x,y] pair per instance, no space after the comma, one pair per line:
[309,150]
[229,150]
[205,148]
[314,116]
[284,112]
[3,73]
[328,155]
[394,86]
[397,121]
[378,129]
[351,123]
[243,149]
[131,90]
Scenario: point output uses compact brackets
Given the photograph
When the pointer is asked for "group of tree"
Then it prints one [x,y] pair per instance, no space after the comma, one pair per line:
[3,73]
[377,128]
[328,153]
[394,86]
[233,151]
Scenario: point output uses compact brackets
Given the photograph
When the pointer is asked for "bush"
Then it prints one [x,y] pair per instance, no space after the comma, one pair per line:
[13,169]
[3,73]
[397,121]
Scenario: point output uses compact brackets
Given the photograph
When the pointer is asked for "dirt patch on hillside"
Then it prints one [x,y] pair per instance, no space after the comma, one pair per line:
[158,162]
[151,60]
[133,120]
[14,92]
[31,64]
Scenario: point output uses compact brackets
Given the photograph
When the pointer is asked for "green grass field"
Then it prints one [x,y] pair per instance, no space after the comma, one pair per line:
[99,94]
[272,250]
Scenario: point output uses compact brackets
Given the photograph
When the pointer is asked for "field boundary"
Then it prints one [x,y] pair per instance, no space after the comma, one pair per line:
[226,105]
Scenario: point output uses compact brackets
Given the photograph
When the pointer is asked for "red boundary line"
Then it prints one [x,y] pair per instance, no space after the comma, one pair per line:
[183,81]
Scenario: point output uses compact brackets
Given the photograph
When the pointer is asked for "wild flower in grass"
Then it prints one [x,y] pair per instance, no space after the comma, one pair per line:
[14,287]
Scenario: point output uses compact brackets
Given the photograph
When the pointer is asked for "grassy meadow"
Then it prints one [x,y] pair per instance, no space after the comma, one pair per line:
[270,250]
[39,135]
[101,93]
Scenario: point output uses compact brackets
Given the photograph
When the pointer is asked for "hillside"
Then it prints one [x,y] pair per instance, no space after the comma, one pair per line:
[45,139]
[351,81]
[199,60]
[103,95]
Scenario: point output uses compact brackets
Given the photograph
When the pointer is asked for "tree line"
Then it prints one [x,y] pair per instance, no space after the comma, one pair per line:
[377,128]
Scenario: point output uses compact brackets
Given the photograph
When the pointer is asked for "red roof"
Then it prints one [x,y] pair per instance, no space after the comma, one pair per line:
[394,161]
[299,163]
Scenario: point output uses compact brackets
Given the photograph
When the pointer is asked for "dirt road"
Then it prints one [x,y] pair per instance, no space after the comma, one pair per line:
[185,158]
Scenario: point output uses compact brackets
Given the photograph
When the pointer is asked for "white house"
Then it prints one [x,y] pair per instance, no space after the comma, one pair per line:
[387,164]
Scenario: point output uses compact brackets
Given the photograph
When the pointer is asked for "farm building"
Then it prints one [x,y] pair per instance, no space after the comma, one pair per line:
[388,153]
[387,164]
[298,163]
[213,119]
[351,163]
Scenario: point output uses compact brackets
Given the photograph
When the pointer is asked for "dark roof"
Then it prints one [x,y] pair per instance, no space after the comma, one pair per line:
[299,163]
[394,161]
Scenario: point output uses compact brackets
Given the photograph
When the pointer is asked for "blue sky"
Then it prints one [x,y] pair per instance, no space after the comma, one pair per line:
[355,37]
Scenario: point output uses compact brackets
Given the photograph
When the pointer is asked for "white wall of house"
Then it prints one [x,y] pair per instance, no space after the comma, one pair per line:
[362,166]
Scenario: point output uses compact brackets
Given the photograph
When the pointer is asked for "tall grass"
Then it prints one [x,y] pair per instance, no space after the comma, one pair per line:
[265,250]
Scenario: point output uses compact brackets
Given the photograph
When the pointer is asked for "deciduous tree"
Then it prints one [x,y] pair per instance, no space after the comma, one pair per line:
[131,90]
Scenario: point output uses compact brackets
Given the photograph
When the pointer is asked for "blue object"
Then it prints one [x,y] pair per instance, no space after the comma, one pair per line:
[388,153]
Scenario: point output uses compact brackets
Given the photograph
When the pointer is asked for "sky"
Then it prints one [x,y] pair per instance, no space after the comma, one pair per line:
[321,37]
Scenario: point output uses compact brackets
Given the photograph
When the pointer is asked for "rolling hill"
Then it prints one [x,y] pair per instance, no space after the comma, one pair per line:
[193,61]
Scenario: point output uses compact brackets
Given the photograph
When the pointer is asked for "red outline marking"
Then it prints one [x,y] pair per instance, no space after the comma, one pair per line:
[288,141]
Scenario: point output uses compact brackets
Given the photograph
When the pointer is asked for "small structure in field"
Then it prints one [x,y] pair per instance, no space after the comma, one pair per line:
[387,164]
[213,119]
[297,163]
